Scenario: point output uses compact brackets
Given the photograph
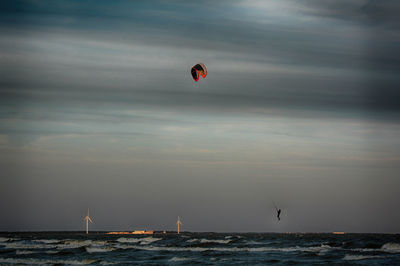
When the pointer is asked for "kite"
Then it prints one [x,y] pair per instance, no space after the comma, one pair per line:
[199,70]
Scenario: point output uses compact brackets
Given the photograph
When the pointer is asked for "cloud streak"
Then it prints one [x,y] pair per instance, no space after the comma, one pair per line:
[307,64]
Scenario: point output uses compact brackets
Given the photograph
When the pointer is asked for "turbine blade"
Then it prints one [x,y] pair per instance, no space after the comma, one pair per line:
[90,220]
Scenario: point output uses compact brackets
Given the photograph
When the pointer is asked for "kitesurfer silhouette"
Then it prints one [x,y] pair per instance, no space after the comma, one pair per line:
[278,211]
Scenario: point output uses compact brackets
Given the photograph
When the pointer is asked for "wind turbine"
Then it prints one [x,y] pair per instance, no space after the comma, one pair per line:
[87,219]
[178,223]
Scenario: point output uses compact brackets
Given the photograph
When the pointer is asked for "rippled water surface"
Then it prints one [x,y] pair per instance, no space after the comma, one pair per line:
[198,248]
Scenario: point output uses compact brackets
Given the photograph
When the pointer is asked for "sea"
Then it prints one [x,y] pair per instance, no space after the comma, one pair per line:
[98,248]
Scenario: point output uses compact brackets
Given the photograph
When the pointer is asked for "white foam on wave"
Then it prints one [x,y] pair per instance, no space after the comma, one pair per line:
[388,247]
[128,240]
[219,241]
[41,262]
[254,243]
[68,244]
[119,246]
[365,249]
[45,244]
[48,241]
[4,239]
[360,257]
[148,240]
[391,247]
[192,240]
[99,249]
[317,249]
[26,245]
[158,248]
[144,241]
[99,242]
[321,248]
[178,259]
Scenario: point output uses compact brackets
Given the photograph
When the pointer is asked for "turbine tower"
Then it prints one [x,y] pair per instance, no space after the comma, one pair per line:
[87,219]
[178,223]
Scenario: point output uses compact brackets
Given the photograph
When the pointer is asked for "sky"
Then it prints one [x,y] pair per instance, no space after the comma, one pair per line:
[300,108]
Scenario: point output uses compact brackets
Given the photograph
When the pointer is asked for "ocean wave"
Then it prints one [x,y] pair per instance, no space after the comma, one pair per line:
[41,262]
[144,244]
[148,240]
[365,249]
[52,251]
[4,239]
[233,237]
[128,240]
[388,247]
[219,241]
[360,257]
[251,242]
[103,262]
[144,241]
[27,245]
[158,248]
[178,259]
[316,249]
[192,240]
[70,244]
[321,248]
[24,252]
[47,241]
[119,246]
[99,249]
[391,247]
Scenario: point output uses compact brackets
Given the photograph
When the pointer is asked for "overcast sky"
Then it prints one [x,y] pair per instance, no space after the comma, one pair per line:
[300,106]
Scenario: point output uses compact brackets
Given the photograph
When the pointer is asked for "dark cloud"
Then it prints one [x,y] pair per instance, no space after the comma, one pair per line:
[372,12]
[380,22]
[201,31]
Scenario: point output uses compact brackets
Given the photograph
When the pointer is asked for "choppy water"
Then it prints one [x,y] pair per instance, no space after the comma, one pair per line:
[199,248]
